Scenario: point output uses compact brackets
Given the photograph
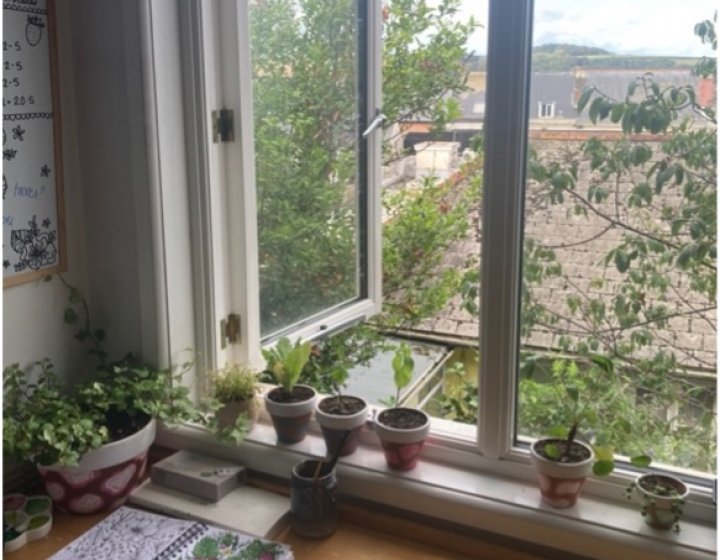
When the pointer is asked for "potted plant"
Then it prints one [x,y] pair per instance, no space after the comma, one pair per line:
[402,431]
[662,497]
[90,441]
[233,392]
[290,405]
[338,414]
[564,460]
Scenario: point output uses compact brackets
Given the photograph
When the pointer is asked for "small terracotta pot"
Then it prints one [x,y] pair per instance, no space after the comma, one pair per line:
[228,414]
[560,483]
[290,420]
[104,478]
[658,509]
[334,427]
[401,446]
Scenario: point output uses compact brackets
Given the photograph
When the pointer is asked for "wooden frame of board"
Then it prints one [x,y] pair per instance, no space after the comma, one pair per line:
[61,264]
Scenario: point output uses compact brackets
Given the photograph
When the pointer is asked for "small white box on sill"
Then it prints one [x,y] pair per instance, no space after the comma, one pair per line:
[199,475]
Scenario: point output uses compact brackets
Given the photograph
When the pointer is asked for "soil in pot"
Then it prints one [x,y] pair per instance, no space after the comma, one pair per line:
[120,424]
[402,418]
[575,454]
[298,394]
[350,413]
[341,406]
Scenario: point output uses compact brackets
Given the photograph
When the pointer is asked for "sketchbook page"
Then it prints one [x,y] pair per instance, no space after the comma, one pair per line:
[130,534]
[127,534]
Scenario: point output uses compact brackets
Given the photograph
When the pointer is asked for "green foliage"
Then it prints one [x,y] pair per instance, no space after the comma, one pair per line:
[47,423]
[661,199]
[402,365]
[421,226]
[286,361]
[234,383]
[306,138]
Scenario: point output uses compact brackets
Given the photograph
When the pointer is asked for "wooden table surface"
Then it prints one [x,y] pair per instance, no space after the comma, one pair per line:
[361,535]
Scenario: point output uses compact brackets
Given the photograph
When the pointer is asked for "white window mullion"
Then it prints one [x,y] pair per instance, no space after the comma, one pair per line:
[509,42]
[241,231]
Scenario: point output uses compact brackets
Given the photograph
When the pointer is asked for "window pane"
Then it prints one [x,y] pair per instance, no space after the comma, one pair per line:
[620,225]
[433,89]
[306,106]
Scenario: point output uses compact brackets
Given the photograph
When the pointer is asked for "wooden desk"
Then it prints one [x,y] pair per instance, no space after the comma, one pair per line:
[361,535]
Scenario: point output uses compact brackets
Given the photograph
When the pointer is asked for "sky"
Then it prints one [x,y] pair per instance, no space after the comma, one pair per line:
[640,27]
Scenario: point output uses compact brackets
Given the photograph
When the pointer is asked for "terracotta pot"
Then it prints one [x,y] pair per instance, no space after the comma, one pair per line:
[334,426]
[290,420]
[658,509]
[560,483]
[227,415]
[104,477]
[401,446]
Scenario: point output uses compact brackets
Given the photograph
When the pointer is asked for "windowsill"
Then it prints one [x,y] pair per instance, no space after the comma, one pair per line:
[599,528]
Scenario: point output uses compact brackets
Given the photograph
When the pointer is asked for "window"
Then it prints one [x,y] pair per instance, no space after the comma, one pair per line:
[603,237]
[546,110]
[522,346]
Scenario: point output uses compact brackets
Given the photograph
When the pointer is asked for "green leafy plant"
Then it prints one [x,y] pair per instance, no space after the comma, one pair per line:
[663,486]
[402,365]
[286,361]
[49,423]
[232,385]
[566,386]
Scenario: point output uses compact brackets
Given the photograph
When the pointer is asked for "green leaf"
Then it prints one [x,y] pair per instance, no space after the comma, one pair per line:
[641,461]
[552,451]
[603,362]
[70,316]
[603,468]
[584,98]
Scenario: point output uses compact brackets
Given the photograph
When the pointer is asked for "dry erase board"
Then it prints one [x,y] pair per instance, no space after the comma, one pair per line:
[33,215]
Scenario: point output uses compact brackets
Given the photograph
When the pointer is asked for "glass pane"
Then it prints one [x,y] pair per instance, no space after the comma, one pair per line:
[618,312]
[433,88]
[306,106]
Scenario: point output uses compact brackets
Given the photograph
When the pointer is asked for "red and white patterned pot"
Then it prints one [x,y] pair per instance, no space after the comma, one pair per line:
[104,477]
[402,447]
[560,483]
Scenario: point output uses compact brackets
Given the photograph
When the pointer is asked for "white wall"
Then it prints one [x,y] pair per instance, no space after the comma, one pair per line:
[33,326]
[109,246]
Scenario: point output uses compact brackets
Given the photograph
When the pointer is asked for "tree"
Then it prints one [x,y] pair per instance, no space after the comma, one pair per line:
[305,69]
[658,195]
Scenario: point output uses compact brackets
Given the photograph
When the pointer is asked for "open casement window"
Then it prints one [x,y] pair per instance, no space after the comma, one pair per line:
[285,220]
[287,209]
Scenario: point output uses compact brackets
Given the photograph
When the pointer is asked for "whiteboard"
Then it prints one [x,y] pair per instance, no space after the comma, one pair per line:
[33,215]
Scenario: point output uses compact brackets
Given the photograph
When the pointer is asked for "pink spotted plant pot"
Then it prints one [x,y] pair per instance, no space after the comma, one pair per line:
[402,445]
[560,483]
[104,478]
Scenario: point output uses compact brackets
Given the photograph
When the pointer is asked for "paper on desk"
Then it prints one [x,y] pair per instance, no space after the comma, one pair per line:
[130,534]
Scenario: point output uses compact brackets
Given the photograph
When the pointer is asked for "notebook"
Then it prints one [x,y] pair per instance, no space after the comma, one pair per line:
[131,534]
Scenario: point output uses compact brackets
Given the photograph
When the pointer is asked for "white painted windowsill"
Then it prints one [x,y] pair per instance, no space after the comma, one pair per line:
[594,527]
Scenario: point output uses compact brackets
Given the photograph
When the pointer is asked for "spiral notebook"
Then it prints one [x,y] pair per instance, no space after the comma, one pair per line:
[131,534]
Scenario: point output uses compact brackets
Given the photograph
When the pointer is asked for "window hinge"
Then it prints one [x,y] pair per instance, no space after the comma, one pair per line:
[229,330]
[223,123]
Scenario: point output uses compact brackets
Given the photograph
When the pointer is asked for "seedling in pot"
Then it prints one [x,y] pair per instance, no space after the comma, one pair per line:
[286,362]
[402,431]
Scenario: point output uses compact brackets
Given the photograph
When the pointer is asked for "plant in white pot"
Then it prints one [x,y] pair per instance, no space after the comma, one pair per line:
[233,396]
[402,431]
[338,414]
[89,441]
[662,497]
[565,460]
[290,405]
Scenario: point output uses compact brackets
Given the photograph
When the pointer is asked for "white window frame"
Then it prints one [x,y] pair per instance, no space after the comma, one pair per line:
[195,261]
